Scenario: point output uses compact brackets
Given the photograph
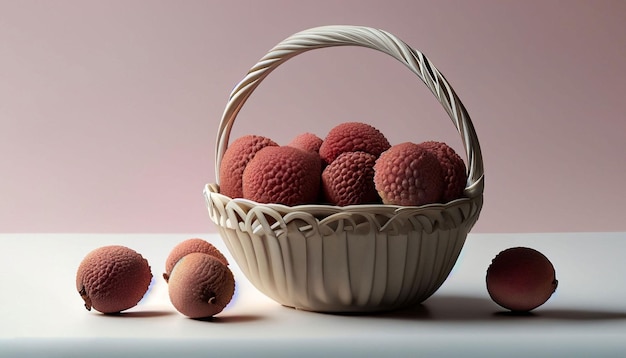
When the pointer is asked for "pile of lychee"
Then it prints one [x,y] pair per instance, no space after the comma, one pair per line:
[114,278]
[354,164]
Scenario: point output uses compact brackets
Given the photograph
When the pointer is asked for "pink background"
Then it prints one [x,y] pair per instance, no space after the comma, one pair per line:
[109,109]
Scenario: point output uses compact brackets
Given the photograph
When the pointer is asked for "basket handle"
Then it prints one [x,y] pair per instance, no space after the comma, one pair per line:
[343,35]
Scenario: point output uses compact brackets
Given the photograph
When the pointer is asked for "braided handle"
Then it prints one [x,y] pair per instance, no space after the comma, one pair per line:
[343,35]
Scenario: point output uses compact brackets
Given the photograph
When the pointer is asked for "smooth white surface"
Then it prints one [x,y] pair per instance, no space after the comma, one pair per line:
[41,314]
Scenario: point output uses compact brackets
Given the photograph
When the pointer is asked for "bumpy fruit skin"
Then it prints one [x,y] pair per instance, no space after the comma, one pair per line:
[407,174]
[352,137]
[283,175]
[234,162]
[521,279]
[200,286]
[113,278]
[188,246]
[453,169]
[307,141]
[349,179]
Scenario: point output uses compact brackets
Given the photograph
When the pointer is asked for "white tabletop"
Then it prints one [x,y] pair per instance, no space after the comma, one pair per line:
[41,314]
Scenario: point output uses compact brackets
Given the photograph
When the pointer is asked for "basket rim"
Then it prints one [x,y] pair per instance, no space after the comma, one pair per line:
[212,189]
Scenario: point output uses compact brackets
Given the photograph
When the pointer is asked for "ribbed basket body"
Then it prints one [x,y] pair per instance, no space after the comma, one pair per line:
[361,258]
[357,259]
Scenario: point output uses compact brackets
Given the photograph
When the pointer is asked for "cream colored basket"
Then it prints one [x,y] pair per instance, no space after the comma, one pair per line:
[361,258]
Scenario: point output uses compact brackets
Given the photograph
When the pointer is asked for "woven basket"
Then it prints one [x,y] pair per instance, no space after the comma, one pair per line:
[360,258]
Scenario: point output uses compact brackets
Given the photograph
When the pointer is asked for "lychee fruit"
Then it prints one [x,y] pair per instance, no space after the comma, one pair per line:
[235,159]
[349,179]
[453,168]
[111,279]
[283,175]
[521,279]
[407,174]
[352,137]
[200,285]
[306,141]
[188,246]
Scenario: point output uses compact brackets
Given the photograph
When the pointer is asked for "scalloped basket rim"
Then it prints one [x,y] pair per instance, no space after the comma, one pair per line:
[330,209]
[251,216]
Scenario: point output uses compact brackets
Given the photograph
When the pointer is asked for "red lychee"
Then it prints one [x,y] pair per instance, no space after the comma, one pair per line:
[113,278]
[352,137]
[349,179]
[521,279]
[282,175]
[453,169]
[200,285]
[188,246]
[407,174]
[235,159]
[306,141]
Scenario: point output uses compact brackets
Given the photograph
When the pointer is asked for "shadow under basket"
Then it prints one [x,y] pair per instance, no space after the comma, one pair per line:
[352,259]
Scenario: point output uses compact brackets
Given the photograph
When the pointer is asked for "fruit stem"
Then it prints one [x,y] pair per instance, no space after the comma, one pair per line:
[85,297]
[210,297]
